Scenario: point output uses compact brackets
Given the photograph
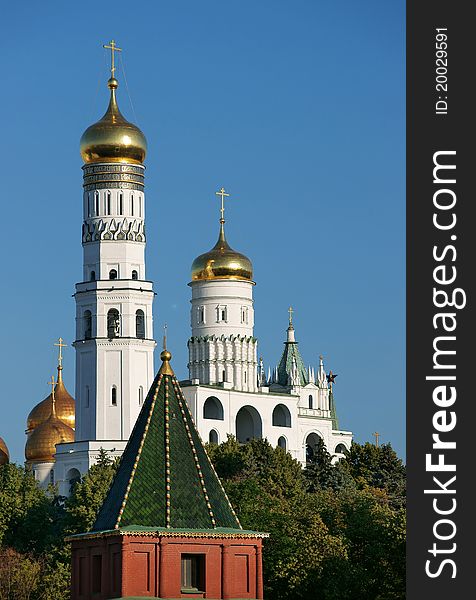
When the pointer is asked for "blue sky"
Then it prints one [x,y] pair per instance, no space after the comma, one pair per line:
[295,107]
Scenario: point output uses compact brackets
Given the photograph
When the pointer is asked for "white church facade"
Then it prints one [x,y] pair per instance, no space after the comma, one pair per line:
[227,389]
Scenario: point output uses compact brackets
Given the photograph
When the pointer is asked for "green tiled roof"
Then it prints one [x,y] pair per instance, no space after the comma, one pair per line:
[286,363]
[165,478]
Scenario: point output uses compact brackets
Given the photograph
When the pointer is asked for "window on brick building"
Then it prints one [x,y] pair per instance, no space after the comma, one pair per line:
[96,574]
[193,573]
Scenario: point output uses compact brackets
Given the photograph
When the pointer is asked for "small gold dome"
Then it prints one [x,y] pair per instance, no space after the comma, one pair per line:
[222,262]
[64,405]
[113,138]
[40,445]
[4,454]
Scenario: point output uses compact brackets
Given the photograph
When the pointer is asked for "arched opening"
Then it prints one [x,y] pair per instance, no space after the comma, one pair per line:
[313,441]
[135,275]
[108,202]
[121,204]
[213,437]
[113,274]
[311,401]
[248,424]
[93,276]
[113,323]
[213,409]
[73,476]
[281,416]
[96,203]
[340,449]
[132,204]
[282,442]
[88,324]
[140,324]
[141,395]
[114,395]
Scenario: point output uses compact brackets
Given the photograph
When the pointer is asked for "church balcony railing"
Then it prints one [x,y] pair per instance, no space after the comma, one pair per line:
[312,412]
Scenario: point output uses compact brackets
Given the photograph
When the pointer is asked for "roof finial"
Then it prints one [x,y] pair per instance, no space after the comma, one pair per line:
[290,311]
[165,357]
[223,194]
[376,434]
[53,401]
[113,48]
[60,354]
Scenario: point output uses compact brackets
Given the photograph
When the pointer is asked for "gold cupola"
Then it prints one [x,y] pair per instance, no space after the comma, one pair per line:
[4,454]
[222,262]
[65,406]
[41,443]
[113,138]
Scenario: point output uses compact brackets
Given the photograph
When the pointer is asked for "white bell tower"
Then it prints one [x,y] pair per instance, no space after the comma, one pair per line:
[222,348]
[114,330]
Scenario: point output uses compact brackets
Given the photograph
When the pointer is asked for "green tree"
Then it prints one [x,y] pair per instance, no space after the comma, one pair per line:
[377,467]
[320,473]
[88,495]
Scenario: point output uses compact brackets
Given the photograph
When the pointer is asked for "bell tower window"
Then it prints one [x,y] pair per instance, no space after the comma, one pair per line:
[93,276]
[140,324]
[113,323]
[221,314]
[108,203]
[135,274]
[88,324]
[96,203]
[113,274]
[114,395]
[121,203]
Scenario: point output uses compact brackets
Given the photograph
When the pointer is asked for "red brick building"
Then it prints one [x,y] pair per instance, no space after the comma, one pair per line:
[166,528]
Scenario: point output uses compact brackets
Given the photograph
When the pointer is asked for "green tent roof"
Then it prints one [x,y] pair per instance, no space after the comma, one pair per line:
[285,364]
[165,478]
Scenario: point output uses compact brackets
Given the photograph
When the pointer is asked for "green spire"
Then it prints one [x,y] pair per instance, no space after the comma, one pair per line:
[291,360]
[332,408]
[165,478]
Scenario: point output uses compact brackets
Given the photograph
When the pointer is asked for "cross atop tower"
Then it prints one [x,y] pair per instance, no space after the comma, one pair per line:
[290,311]
[60,354]
[223,194]
[113,48]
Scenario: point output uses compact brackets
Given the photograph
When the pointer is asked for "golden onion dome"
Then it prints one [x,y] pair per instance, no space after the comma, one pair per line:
[41,443]
[222,262]
[113,138]
[64,406]
[4,454]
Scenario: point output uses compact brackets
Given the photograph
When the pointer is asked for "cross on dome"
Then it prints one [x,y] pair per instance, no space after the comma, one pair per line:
[113,48]
[223,194]
[60,354]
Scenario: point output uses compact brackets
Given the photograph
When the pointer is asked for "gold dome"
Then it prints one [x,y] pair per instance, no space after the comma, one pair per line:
[222,262]
[4,454]
[113,138]
[40,445]
[64,405]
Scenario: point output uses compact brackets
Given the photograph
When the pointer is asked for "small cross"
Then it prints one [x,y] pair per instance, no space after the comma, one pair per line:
[113,48]
[290,311]
[60,354]
[52,383]
[377,435]
[222,193]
